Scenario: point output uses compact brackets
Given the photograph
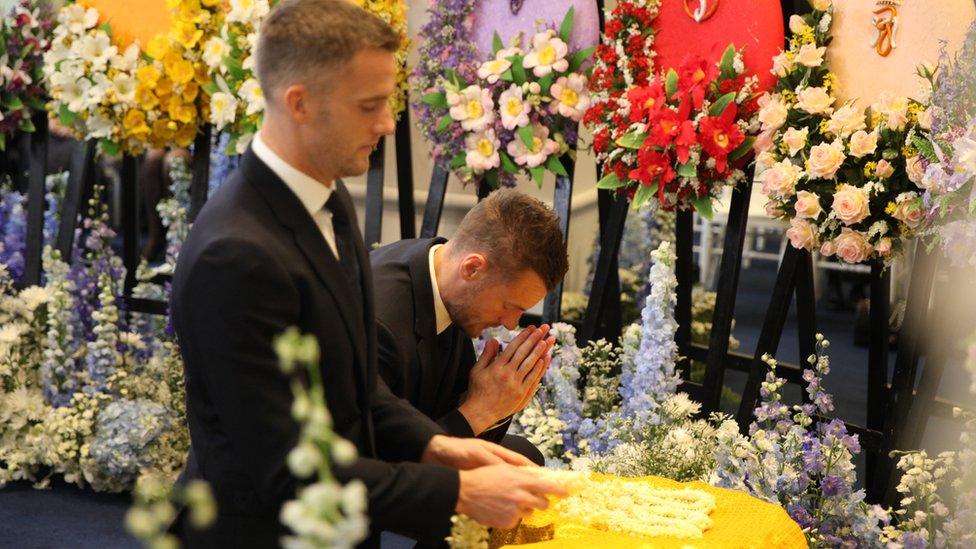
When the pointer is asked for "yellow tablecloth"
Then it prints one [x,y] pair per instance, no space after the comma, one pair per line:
[740,522]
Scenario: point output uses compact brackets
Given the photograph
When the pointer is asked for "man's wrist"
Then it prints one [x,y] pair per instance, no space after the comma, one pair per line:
[477,419]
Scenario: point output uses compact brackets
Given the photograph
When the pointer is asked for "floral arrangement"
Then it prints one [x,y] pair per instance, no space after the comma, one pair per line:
[25,35]
[516,113]
[13,217]
[675,135]
[132,98]
[153,512]
[324,513]
[237,102]
[845,178]
[948,157]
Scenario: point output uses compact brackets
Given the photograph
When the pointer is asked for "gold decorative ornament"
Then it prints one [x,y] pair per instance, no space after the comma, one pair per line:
[705,9]
[885,20]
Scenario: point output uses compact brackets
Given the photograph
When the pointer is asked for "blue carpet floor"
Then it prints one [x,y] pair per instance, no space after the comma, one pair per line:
[65,516]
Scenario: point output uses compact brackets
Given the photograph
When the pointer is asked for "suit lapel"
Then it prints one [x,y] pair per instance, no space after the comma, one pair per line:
[425,326]
[291,214]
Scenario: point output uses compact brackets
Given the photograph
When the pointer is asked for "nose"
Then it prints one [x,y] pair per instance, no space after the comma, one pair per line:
[386,124]
[511,321]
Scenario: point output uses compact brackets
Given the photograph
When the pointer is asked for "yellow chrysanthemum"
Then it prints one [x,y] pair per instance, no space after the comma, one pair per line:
[148,75]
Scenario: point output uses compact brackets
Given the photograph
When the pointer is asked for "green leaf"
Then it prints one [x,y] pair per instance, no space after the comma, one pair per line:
[436,99]
[566,29]
[507,76]
[610,182]
[538,174]
[211,87]
[688,169]
[643,194]
[66,115]
[671,82]
[580,57]
[726,64]
[453,78]
[546,82]
[491,177]
[458,161]
[496,43]
[555,166]
[703,205]
[508,164]
[27,125]
[110,148]
[13,103]
[632,140]
[3,142]
[518,71]
[444,123]
[742,149]
[525,133]
[718,107]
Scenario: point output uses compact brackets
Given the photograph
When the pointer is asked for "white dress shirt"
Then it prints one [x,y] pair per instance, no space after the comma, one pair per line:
[440,311]
[310,192]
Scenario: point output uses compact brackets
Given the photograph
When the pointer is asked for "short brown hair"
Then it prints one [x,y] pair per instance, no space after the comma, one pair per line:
[515,232]
[300,39]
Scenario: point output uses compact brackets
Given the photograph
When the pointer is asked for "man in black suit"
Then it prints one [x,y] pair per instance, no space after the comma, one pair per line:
[435,295]
[278,246]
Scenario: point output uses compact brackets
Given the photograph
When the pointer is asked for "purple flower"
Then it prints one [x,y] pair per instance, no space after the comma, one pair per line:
[833,485]
[799,515]
[913,540]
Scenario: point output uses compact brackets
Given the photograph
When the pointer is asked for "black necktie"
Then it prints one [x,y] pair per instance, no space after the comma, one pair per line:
[345,242]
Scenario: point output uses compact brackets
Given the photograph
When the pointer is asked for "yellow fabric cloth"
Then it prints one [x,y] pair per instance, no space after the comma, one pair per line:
[740,522]
[132,20]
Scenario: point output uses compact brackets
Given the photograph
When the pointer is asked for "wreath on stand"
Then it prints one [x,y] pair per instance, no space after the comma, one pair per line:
[674,135]
[236,101]
[844,177]
[514,114]
[25,34]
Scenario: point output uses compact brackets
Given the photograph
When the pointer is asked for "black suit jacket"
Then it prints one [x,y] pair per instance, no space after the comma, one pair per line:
[433,378]
[254,264]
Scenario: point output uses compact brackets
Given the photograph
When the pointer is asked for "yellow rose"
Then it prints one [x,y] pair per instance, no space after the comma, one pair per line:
[825,159]
[821,5]
[851,204]
[772,112]
[814,100]
[148,75]
[158,46]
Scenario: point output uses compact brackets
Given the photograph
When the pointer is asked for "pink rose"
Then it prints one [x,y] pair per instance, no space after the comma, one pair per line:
[774,209]
[883,247]
[846,120]
[852,246]
[795,139]
[825,159]
[779,181]
[827,249]
[851,204]
[772,113]
[884,170]
[802,234]
[910,211]
[915,168]
[863,143]
[807,205]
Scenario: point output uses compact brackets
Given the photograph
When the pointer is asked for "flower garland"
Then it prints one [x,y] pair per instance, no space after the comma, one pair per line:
[133,98]
[516,113]
[949,158]
[675,135]
[25,35]
[844,178]
[237,102]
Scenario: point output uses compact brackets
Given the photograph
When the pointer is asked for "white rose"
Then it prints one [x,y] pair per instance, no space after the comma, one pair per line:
[810,55]
[825,159]
[764,159]
[782,65]
[772,112]
[851,204]
[807,205]
[802,234]
[852,246]
[814,100]
[863,143]
[779,181]
[795,139]
[846,120]
[797,24]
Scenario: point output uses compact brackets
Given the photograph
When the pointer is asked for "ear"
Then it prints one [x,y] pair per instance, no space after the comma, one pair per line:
[473,267]
[296,102]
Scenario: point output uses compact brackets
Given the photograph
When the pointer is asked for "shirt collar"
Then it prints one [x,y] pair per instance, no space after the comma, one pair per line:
[440,311]
[310,192]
